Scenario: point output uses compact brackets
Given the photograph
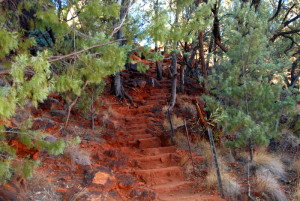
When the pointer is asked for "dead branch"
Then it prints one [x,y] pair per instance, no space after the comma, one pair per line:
[188,140]
[72,105]
[57,58]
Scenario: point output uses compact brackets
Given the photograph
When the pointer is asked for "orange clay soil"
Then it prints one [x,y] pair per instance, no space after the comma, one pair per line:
[153,160]
[132,158]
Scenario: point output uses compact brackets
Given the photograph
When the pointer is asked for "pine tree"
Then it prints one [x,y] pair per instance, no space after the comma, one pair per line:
[246,84]
[57,52]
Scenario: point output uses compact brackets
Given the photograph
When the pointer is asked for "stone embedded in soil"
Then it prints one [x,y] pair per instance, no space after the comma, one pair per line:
[102,178]
[43,123]
[48,103]
[58,113]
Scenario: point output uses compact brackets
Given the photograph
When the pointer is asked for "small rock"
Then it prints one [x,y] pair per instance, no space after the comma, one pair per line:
[48,103]
[142,84]
[109,124]
[153,82]
[102,178]
[61,190]
[50,138]
[42,123]
[58,113]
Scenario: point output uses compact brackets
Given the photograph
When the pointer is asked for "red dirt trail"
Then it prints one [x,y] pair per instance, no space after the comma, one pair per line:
[154,160]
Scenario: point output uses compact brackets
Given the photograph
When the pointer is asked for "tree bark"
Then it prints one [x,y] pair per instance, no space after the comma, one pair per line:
[118,88]
[182,73]
[202,59]
[158,66]
[216,28]
[174,81]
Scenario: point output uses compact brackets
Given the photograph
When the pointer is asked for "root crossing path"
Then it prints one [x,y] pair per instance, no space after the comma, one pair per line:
[153,159]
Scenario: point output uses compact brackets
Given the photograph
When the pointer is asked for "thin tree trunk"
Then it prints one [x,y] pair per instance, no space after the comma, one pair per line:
[250,149]
[171,122]
[182,72]
[174,81]
[211,43]
[158,64]
[72,105]
[213,149]
[92,113]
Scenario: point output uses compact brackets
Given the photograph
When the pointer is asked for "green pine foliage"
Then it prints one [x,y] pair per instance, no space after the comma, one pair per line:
[247,85]
[34,77]
[8,41]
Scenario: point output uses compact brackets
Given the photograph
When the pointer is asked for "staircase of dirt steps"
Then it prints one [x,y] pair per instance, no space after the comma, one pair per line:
[154,164]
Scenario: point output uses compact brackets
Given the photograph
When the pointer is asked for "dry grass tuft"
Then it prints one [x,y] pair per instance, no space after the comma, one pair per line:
[268,186]
[189,108]
[264,160]
[177,122]
[296,166]
[78,155]
[165,109]
[205,150]
[180,140]
[41,189]
[231,187]
[297,194]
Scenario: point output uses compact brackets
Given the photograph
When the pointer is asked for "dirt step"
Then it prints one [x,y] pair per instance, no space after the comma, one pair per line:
[173,187]
[157,102]
[188,196]
[159,95]
[161,90]
[133,111]
[149,143]
[160,175]
[139,131]
[135,120]
[137,137]
[158,161]
[136,126]
[159,150]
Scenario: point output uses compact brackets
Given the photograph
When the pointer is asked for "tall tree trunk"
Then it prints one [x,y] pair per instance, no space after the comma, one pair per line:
[216,27]
[174,81]
[158,65]
[210,47]
[201,50]
[117,85]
